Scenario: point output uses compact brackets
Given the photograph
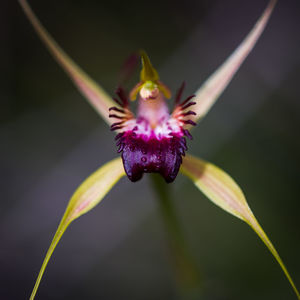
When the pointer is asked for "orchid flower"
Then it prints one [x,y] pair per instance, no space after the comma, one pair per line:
[154,140]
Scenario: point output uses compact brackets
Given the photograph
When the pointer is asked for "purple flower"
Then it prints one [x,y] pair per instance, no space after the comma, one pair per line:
[154,139]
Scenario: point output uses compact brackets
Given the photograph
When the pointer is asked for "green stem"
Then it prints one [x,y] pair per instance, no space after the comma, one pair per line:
[186,272]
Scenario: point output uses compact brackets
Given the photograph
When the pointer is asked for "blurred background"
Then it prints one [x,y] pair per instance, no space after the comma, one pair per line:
[51,139]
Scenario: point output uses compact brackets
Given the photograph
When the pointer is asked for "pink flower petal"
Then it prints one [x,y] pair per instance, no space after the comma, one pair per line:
[95,95]
[213,87]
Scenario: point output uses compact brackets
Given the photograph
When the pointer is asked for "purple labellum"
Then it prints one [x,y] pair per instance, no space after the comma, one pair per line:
[147,155]
[154,142]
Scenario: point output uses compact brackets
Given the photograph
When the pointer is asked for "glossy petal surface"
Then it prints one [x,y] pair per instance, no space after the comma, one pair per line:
[213,87]
[85,198]
[95,95]
[147,155]
[222,190]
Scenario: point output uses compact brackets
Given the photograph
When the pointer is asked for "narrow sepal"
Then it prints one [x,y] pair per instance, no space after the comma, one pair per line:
[94,94]
[148,72]
[85,198]
[213,87]
[223,191]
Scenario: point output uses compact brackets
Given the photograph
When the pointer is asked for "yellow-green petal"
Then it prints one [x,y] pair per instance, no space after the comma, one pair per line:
[95,95]
[85,198]
[213,87]
[222,190]
[148,72]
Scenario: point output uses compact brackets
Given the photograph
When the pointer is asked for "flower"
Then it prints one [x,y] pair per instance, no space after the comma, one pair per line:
[154,140]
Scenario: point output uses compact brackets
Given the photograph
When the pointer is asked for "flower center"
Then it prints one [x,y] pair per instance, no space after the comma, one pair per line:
[154,141]
[154,111]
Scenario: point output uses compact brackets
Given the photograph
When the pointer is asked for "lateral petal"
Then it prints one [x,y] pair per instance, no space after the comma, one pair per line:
[213,87]
[94,93]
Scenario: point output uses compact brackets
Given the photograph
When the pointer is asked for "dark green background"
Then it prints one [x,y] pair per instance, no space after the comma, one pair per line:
[51,140]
